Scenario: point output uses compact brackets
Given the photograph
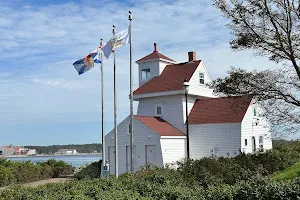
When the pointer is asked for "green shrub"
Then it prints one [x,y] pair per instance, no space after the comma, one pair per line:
[92,170]
[157,184]
[23,172]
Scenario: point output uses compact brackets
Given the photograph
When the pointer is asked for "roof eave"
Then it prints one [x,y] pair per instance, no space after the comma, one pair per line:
[156,59]
[155,94]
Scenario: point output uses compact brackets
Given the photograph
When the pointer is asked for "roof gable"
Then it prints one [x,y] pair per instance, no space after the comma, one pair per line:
[170,79]
[219,110]
[153,56]
[159,125]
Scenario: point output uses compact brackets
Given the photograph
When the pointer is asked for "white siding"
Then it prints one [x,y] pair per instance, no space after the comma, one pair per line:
[154,70]
[141,138]
[173,149]
[250,129]
[172,109]
[224,139]
[198,89]
[191,102]
[162,66]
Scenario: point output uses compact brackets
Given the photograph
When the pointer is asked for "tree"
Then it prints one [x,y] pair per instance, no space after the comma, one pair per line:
[271,27]
[277,91]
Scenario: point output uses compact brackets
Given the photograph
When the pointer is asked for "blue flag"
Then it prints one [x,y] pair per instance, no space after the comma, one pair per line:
[84,64]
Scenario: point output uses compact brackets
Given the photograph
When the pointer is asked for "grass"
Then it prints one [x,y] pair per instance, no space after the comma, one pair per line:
[289,173]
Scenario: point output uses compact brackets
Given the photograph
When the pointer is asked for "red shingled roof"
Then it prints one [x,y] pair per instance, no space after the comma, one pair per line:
[159,126]
[154,55]
[170,79]
[219,110]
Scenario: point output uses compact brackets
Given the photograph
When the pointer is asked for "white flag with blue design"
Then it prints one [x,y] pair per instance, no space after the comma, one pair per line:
[118,40]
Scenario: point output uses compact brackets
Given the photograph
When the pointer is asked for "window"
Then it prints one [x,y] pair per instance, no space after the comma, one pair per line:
[145,74]
[254,112]
[246,142]
[201,78]
[129,131]
[261,143]
[253,144]
[158,109]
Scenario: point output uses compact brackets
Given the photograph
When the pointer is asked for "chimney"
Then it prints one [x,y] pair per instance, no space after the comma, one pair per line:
[192,56]
[155,49]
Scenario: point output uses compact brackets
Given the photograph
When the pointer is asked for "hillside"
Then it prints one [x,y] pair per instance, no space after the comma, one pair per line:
[289,173]
[81,148]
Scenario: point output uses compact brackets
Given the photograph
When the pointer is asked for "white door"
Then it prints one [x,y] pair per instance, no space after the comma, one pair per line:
[111,159]
[151,154]
[128,158]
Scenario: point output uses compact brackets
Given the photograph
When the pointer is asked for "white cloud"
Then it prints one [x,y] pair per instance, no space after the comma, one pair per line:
[41,43]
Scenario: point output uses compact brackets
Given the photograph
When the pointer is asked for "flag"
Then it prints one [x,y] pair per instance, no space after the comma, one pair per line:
[84,64]
[118,40]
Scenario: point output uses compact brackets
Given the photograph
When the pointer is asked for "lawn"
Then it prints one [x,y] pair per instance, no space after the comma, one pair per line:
[289,173]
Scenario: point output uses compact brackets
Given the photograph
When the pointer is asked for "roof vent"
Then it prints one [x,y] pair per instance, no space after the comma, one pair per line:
[192,56]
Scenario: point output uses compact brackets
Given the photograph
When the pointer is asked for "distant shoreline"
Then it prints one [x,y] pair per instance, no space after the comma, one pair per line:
[40,155]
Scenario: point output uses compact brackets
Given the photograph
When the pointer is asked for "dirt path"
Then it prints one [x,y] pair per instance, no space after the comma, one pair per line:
[43,182]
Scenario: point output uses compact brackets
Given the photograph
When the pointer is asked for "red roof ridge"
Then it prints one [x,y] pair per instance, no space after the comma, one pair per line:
[221,97]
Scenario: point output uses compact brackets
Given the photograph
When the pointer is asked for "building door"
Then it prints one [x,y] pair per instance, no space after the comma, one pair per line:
[253,144]
[128,158]
[111,159]
[151,154]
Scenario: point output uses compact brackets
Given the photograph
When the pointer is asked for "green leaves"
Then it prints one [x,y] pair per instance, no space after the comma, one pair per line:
[16,172]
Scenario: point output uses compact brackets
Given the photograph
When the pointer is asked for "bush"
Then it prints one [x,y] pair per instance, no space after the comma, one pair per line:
[215,171]
[24,172]
[92,170]
[159,184]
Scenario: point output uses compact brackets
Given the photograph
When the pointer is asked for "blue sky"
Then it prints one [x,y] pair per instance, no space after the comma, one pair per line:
[43,101]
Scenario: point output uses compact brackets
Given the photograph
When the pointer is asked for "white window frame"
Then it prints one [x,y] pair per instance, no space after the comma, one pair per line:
[148,75]
[155,109]
[201,77]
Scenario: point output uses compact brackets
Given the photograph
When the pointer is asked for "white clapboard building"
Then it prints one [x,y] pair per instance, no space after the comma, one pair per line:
[218,126]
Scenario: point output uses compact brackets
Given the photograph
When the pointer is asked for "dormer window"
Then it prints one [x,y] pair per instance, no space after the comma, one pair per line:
[201,78]
[145,74]
[158,109]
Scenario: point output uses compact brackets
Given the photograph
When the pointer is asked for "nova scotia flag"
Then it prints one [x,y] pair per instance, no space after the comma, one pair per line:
[84,64]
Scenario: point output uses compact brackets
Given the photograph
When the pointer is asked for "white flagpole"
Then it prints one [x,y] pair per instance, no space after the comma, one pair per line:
[131,97]
[102,108]
[115,114]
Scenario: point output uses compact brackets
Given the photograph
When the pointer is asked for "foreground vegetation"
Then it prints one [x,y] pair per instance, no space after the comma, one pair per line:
[157,184]
[243,177]
[16,172]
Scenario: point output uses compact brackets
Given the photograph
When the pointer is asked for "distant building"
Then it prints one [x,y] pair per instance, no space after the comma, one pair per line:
[6,150]
[31,152]
[15,150]
[66,151]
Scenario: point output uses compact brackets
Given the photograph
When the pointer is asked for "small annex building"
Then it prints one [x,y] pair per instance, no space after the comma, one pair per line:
[218,126]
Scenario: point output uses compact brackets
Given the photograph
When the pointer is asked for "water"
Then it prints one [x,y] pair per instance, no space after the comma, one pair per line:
[75,160]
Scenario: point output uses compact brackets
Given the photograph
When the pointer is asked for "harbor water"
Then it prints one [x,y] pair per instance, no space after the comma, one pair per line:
[75,160]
